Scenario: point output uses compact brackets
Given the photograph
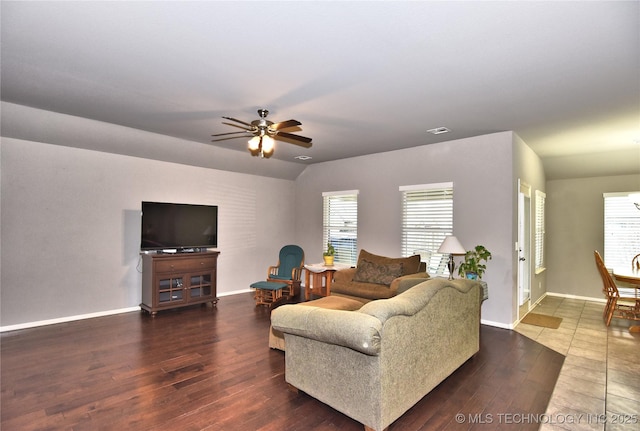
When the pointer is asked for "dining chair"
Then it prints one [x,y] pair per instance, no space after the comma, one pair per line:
[635,262]
[617,306]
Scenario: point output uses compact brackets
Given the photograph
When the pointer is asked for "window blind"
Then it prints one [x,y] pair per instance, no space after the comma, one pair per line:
[621,229]
[540,230]
[427,218]
[340,225]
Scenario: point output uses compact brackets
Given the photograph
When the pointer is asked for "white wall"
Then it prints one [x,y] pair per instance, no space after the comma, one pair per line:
[70,226]
[575,228]
[481,169]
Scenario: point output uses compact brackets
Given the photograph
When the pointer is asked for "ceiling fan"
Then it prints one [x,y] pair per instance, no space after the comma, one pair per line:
[263,133]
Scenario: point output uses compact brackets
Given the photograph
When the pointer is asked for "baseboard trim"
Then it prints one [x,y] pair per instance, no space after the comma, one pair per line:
[584,298]
[35,324]
[66,319]
[235,292]
[496,324]
[47,322]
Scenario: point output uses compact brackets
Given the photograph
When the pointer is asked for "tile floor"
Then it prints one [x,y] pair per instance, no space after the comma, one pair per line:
[600,378]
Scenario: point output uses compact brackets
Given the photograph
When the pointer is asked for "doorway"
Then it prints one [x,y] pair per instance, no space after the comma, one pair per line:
[523,248]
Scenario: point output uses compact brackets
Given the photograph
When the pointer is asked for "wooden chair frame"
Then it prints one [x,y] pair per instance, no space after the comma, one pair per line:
[635,263]
[617,306]
[268,296]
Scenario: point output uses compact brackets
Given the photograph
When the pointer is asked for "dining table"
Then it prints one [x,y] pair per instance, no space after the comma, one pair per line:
[631,277]
[627,275]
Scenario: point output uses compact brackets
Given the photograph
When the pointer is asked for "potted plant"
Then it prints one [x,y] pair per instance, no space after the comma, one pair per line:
[329,254]
[473,266]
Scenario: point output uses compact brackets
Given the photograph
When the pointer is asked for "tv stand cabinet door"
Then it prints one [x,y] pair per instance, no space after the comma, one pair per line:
[202,286]
[170,290]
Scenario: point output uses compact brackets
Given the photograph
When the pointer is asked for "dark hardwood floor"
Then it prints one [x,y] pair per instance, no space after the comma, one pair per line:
[211,369]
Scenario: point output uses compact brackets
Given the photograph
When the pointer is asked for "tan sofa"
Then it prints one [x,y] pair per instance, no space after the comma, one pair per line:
[377,277]
[375,363]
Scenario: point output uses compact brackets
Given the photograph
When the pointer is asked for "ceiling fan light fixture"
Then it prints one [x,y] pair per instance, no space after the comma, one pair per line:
[254,144]
[264,133]
[268,144]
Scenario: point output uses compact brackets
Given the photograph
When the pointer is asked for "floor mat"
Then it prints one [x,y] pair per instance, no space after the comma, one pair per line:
[542,320]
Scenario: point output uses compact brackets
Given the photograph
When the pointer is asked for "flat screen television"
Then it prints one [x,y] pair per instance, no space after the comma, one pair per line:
[179,227]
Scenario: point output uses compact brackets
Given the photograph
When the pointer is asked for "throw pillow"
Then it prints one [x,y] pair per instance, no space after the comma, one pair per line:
[371,272]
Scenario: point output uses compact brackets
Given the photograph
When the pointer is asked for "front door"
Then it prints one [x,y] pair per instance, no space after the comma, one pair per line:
[523,248]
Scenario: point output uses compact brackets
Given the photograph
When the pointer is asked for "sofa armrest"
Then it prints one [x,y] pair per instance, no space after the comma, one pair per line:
[350,329]
[344,275]
[404,283]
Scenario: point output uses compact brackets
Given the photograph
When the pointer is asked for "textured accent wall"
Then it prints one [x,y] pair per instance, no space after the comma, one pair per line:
[71,226]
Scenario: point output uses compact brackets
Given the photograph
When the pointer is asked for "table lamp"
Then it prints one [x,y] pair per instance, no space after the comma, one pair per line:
[452,246]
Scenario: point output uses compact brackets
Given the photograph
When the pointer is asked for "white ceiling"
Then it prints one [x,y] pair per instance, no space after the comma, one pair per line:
[362,77]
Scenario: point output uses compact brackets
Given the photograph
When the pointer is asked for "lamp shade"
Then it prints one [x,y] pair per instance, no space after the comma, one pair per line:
[451,245]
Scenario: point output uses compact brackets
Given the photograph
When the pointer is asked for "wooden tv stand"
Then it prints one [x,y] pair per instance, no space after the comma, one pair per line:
[178,280]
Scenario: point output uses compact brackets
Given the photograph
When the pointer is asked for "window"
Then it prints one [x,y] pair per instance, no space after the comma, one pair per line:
[621,229]
[427,217]
[340,225]
[540,201]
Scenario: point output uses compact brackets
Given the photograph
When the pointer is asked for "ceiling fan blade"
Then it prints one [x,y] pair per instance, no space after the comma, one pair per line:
[229,133]
[299,140]
[285,124]
[230,137]
[238,121]
[237,125]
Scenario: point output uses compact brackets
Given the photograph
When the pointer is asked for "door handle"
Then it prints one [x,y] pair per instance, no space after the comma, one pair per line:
[522,259]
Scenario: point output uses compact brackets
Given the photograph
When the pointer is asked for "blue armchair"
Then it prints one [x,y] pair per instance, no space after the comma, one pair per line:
[288,270]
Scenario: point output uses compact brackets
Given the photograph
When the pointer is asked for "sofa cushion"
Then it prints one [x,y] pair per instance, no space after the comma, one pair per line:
[364,292]
[410,265]
[372,272]
[334,303]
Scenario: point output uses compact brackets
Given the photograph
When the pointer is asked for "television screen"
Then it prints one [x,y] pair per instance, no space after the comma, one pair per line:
[178,226]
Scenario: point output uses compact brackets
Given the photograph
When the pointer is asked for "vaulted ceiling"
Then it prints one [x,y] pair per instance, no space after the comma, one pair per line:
[362,77]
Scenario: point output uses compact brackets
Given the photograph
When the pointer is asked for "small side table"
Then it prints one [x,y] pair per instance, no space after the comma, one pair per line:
[318,279]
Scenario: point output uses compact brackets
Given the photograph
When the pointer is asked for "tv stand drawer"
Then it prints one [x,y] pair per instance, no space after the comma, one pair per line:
[195,263]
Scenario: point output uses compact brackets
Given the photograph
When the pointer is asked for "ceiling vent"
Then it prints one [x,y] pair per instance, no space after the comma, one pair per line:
[438,130]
